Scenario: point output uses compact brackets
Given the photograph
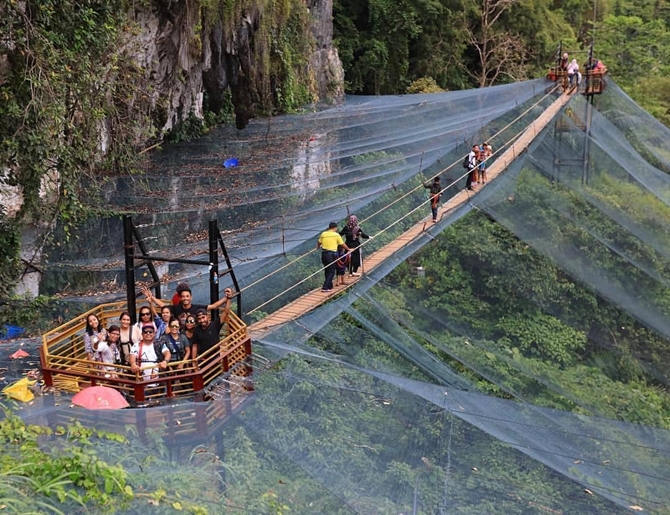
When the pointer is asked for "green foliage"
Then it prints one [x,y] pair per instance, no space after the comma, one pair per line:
[66,80]
[633,48]
[374,39]
[33,315]
[385,48]
[535,333]
[290,45]
[225,116]
[281,81]
[72,475]
[9,250]
[186,130]
[653,94]
[75,469]
[424,85]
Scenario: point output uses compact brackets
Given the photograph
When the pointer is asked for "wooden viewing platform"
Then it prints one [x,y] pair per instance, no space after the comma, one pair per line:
[316,297]
[66,367]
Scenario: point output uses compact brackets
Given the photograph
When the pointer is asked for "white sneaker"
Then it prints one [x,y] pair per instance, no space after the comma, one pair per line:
[355,274]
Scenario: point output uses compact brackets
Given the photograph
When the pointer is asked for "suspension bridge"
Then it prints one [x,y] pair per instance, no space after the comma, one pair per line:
[504,156]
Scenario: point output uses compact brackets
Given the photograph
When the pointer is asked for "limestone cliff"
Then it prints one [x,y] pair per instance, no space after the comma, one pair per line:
[85,89]
[194,54]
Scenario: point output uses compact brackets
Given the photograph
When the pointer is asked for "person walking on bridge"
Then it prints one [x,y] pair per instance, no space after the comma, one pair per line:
[435,193]
[352,234]
[473,157]
[329,243]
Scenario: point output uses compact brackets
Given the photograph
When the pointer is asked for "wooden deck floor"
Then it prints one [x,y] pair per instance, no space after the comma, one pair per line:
[316,297]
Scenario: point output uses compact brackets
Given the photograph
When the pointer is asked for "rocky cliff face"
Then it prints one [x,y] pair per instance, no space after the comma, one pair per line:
[192,56]
[178,59]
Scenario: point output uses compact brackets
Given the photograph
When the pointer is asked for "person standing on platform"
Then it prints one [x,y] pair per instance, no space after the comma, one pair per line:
[144,353]
[185,308]
[352,234]
[574,76]
[207,333]
[330,242]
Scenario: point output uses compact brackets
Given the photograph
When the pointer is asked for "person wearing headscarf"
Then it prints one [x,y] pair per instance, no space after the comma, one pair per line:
[573,72]
[352,234]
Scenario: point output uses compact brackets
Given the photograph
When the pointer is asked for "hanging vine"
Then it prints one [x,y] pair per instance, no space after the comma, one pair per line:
[69,96]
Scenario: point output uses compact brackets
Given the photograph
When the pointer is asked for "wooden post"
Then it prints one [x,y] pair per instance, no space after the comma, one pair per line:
[198,382]
[138,392]
[129,251]
[46,373]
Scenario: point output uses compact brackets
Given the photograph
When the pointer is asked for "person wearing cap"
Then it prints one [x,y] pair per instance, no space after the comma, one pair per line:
[207,333]
[329,243]
[145,352]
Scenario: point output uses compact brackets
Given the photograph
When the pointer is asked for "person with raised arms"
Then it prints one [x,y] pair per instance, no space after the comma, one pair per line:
[185,308]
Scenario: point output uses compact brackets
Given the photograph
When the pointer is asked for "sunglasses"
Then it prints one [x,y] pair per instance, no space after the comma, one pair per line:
[174,325]
[145,314]
[190,321]
[147,331]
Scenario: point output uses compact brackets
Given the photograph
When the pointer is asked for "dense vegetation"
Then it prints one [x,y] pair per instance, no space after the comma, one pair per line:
[78,106]
[505,317]
[386,45]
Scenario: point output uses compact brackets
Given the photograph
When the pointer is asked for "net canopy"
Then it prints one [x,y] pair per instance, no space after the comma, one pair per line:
[511,359]
[295,175]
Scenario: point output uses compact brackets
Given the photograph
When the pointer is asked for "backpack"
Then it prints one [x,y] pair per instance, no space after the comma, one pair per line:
[466,162]
[158,345]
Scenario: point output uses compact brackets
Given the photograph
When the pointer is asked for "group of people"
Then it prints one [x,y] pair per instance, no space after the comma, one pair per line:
[572,68]
[341,252]
[477,161]
[179,332]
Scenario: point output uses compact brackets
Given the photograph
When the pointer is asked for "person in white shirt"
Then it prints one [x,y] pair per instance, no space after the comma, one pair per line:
[144,353]
[573,72]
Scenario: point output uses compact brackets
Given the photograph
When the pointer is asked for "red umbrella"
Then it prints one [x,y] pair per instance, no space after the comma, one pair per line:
[100,397]
[19,354]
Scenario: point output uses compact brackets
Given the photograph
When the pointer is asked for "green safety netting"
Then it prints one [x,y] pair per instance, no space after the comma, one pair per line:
[511,359]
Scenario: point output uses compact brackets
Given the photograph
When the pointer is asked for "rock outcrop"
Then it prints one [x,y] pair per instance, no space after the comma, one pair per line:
[192,57]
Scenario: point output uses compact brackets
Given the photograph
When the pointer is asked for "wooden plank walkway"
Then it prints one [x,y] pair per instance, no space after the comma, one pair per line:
[316,297]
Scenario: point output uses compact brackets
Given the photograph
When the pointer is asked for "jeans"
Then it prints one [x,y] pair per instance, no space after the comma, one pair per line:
[328,259]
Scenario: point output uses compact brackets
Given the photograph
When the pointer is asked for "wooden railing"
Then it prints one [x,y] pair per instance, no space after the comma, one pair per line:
[65,364]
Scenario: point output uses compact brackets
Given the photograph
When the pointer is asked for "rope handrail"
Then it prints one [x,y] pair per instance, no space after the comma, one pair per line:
[504,146]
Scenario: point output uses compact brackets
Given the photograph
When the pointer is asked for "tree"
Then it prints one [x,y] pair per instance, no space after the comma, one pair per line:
[633,49]
[499,52]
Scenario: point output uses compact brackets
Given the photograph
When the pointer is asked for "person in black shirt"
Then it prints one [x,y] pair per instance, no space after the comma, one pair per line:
[207,333]
[435,193]
[352,234]
[185,308]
